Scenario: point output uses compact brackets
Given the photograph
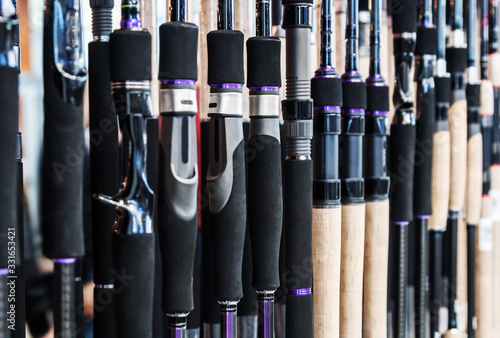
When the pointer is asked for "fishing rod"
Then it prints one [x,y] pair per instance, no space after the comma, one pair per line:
[425,51]
[178,165]
[9,84]
[104,175]
[401,152]
[352,183]
[376,187]
[265,203]
[133,238]
[226,168]
[297,111]
[326,92]
[62,164]
[20,301]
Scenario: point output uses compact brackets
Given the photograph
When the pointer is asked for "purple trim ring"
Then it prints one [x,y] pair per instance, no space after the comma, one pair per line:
[226,86]
[130,23]
[178,82]
[376,112]
[65,260]
[403,224]
[299,292]
[423,216]
[353,111]
[4,272]
[327,108]
[264,89]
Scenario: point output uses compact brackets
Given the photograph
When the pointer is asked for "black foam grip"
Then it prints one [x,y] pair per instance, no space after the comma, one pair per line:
[404,15]
[225,57]
[248,304]
[471,280]
[456,60]
[472,92]
[377,98]
[299,316]
[401,170]
[426,41]
[486,133]
[422,204]
[133,258]
[178,50]
[228,235]
[194,317]
[61,168]
[353,95]
[9,84]
[443,89]
[435,269]
[130,54]
[103,159]
[104,313]
[298,223]
[326,91]
[265,209]
[65,324]
[263,61]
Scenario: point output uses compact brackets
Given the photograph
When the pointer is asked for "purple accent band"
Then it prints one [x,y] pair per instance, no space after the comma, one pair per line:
[299,292]
[229,318]
[264,89]
[178,332]
[65,260]
[131,23]
[423,216]
[376,112]
[353,111]
[352,77]
[403,224]
[178,82]
[227,86]
[4,272]
[327,108]
[376,81]
[268,322]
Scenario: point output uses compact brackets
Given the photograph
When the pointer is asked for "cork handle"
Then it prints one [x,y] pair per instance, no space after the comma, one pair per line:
[351,270]
[495,189]
[326,271]
[474,178]
[484,276]
[494,69]
[458,153]
[440,180]
[375,269]
[454,333]
[486,104]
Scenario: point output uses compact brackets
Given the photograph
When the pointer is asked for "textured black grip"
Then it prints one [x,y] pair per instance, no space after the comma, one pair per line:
[130,53]
[443,89]
[456,60]
[263,61]
[326,91]
[401,171]
[178,50]
[265,209]
[299,316]
[62,167]
[228,234]
[422,204]
[133,259]
[471,280]
[103,158]
[298,223]
[426,41]
[404,15]
[225,57]
[9,83]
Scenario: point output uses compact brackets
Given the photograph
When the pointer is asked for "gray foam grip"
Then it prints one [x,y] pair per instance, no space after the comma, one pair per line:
[298,223]
[265,208]
[133,257]
[8,165]
[228,235]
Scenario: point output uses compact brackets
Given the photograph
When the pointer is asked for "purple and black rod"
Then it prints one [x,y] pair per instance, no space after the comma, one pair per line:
[297,111]
[265,202]
[178,165]
[62,161]
[226,169]
[103,167]
[133,241]
[9,96]
[402,152]
[425,107]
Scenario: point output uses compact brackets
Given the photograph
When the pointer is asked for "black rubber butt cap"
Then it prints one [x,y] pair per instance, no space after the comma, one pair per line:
[426,41]
[472,92]
[377,98]
[456,59]
[326,91]
[102,3]
[296,2]
[404,15]
[353,95]
[178,51]
[130,55]
[225,57]
[263,62]
[443,89]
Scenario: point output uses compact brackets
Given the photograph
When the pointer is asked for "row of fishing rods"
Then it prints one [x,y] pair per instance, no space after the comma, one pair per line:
[331,216]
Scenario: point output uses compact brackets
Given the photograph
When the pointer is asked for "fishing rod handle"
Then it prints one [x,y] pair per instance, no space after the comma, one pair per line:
[471,280]
[474,155]
[65,324]
[226,171]
[375,268]
[458,152]
[265,202]
[9,84]
[178,164]
[133,258]
[102,24]
[494,69]
[440,180]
